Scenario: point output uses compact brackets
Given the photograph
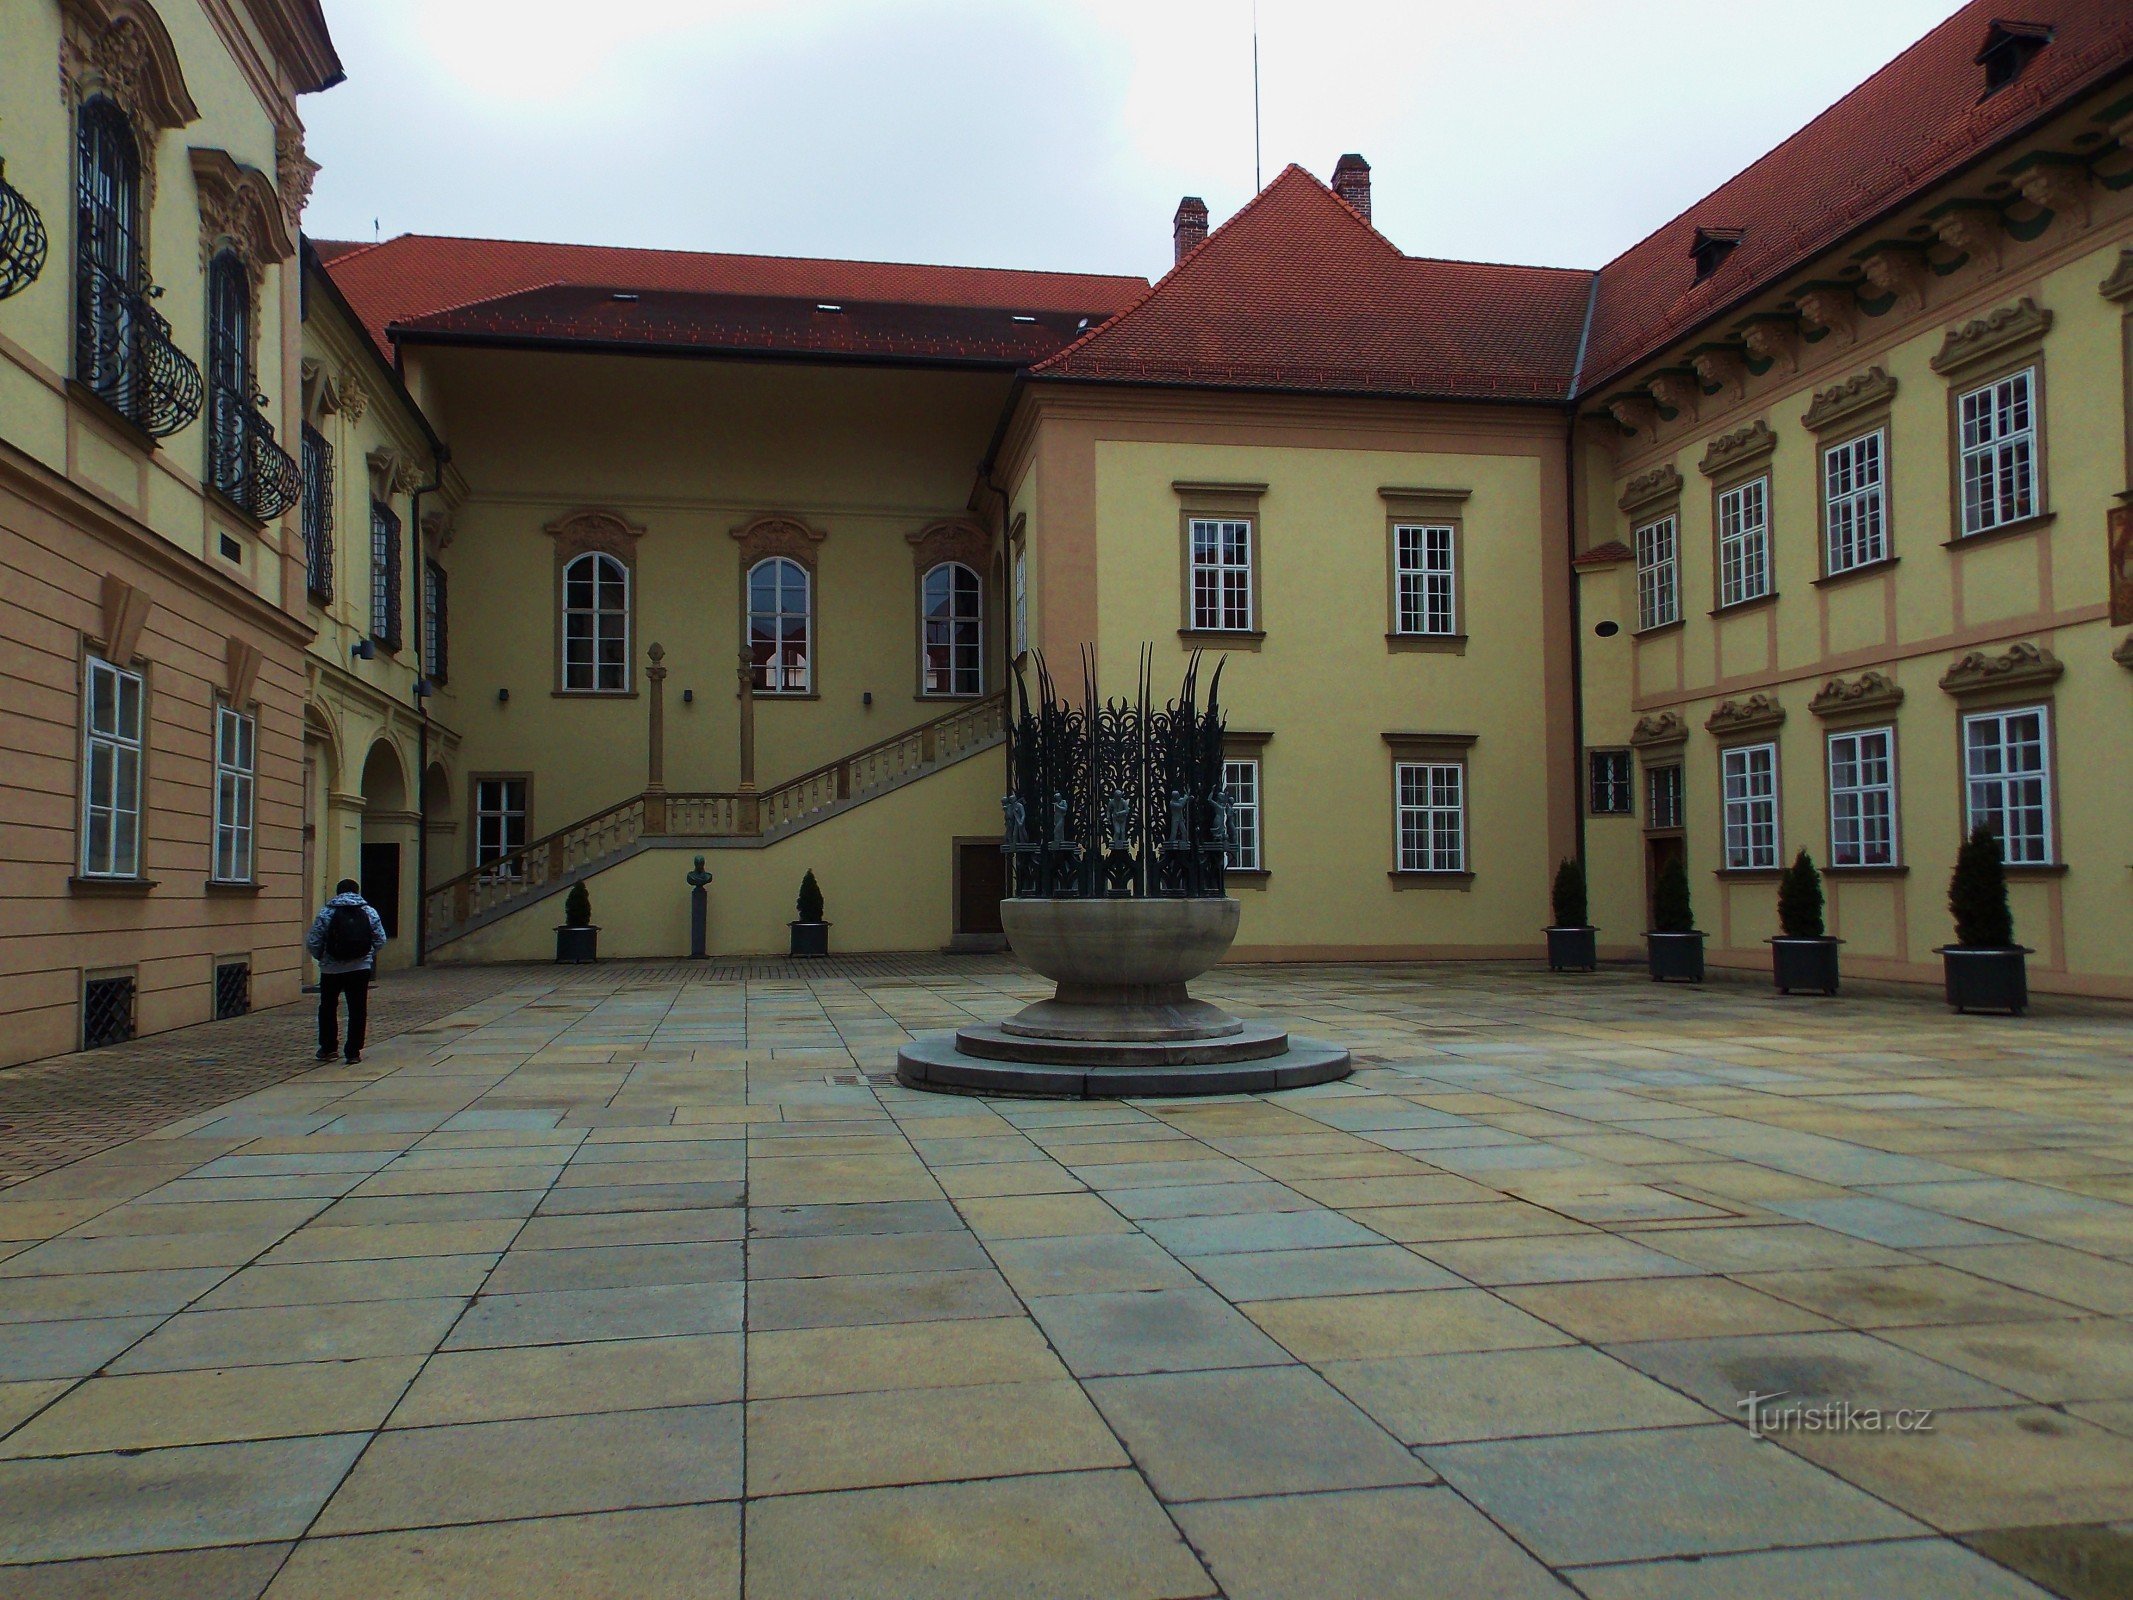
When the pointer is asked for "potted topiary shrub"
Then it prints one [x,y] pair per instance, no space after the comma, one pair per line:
[1674,947]
[576,939]
[1985,968]
[1570,937]
[1803,955]
[810,934]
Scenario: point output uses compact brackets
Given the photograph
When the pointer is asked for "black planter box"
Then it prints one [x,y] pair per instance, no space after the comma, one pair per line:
[810,938]
[1987,979]
[575,945]
[1804,964]
[1572,949]
[1675,956]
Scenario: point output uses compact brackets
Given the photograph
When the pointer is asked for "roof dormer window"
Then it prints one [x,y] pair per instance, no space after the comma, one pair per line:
[2008,48]
[1712,246]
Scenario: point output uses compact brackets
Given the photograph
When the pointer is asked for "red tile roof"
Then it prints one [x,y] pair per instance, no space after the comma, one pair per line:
[1912,123]
[1297,291]
[580,316]
[416,276]
[1609,554]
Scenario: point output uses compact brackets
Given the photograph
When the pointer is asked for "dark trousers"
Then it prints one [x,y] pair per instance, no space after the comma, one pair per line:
[331,986]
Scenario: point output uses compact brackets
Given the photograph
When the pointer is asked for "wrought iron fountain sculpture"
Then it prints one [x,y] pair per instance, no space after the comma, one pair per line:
[1117,829]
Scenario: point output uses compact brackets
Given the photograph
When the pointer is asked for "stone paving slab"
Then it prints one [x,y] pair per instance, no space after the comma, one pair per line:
[648,1280]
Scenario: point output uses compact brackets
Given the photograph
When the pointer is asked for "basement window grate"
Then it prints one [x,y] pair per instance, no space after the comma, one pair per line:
[233,989]
[107,1011]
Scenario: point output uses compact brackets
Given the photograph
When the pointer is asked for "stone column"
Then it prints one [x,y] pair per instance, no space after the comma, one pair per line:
[655,783]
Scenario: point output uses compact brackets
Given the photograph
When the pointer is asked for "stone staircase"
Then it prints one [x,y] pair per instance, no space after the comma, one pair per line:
[657,819]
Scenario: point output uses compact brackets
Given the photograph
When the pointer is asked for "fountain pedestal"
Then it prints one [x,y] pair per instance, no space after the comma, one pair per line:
[1121,1021]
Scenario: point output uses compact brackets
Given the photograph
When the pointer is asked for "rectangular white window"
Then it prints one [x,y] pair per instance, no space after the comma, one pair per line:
[1999,452]
[1749,776]
[499,822]
[1862,798]
[113,716]
[1662,797]
[1658,573]
[1424,578]
[1431,798]
[1241,779]
[236,784]
[2007,781]
[1852,477]
[1744,543]
[1221,574]
[1021,601]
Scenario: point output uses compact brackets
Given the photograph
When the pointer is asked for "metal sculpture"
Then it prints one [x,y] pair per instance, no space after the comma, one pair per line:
[1116,798]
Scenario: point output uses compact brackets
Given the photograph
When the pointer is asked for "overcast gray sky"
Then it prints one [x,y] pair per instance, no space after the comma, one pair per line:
[1060,133]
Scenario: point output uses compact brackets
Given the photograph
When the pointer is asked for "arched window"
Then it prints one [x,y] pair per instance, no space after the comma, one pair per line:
[229,375]
[781,604]
[596,624]
[954,644]
[107,255]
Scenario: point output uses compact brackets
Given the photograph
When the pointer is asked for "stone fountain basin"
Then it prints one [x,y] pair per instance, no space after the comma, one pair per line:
[1121,966]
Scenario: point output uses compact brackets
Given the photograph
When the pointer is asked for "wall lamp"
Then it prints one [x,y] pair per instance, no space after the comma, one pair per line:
[688,697]
[424,688]
[363,650]
[503,697]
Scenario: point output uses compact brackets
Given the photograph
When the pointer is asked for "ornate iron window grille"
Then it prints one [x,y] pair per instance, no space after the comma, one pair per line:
[106,1011]
[318,515]
[22,239]
[233,989]
[384,575]
[436,623]
[1117,798]
[244,462]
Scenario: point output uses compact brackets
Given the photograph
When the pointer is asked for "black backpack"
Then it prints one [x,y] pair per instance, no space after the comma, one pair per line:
[347,934]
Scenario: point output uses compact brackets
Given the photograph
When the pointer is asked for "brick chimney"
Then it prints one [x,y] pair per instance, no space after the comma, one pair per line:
[1351,181]
[1189,227]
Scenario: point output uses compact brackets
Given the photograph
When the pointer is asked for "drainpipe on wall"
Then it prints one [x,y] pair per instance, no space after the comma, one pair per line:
[1578,774]
[439,455]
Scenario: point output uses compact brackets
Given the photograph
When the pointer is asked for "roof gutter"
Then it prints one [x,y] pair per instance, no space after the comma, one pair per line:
[403,336]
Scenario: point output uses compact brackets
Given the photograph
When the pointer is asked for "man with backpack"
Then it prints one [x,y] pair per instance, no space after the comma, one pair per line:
[345,938]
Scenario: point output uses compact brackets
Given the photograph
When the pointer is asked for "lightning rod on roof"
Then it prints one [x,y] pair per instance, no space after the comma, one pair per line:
[1257,185]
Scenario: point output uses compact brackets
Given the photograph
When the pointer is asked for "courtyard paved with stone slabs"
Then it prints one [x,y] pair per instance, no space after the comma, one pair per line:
[632,1283]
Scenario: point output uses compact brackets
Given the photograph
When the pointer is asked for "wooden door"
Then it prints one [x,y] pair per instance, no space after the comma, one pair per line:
[980,882]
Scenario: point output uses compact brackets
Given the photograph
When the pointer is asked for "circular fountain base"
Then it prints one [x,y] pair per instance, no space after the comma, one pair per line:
[1121,1023]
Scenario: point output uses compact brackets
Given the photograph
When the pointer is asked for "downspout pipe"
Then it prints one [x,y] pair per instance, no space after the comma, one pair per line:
[1578,775]
[440,453]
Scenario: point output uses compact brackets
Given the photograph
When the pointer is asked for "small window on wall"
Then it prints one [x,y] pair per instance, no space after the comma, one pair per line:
[2008,781]
[1999,452]
[1424,571]
[781,625]
[1662,797]
[1241,779]
[499,824]
[1431,801]
[953,646]
[113,717]
[236,783]
[1658,574]
[1221,571]
[1021,600]
[1862,798]
[1748,776]
[1609,790]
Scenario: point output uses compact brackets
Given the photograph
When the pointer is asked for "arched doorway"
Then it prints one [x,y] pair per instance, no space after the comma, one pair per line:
[389,824]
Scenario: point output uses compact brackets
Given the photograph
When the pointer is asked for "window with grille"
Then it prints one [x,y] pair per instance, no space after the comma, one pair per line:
[229,376]
[1609,789]
[1852,513]
[436,623]
[233,989]
[1221,570]
[1744,543]
[1422,558]
[107,1010]
[385,582]
[1662,797]
[2007,781]
[953,647]
[108,270]
[1021,601]
[1241,779]
[236,785]
[1862,798]
[318,515]
[1431,797]
[780,625]
[1748,775]
[499,823]
[1658,573]
[1999,452]
[113,717]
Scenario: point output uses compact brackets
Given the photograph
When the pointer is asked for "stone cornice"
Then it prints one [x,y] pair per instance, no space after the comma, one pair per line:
[1773,336]
[1723,367]
[1677,389]
[1649,489]
[1831,306]
[2022,665]
[1898,269]
[1974,227]
[1871,390]
[1747,714]
[1871,690]
[1994,334]
[1743,447]
[1660,728]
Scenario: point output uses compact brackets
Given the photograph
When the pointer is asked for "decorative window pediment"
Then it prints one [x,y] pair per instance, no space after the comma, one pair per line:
[1858,395]
[1988,338]
[1744,447]
[1872,690]
[240,208]
[1660,728]
[950,539]
[776,534]
[1648,490]
[591,528]
[121,48]
[2119,285]
[1747,714]
[2023,665]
